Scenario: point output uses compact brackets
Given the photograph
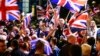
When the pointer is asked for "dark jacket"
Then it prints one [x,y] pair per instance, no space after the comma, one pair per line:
[17,52]
[5,54]
[65,50]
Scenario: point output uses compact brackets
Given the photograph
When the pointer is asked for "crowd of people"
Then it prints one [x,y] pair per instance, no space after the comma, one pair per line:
[45,40]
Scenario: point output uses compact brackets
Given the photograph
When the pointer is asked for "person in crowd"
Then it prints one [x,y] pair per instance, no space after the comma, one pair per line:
[42,28]
[34,36]
[65,50]
[76,50]
[82,36]
[24,48]
[86,49]
[39,50]
[16,50]
[98,46]
[55,49]
[26,42]
[91,42]
[3,48]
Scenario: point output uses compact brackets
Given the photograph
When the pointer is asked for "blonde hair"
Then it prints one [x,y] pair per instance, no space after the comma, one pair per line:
[86,49]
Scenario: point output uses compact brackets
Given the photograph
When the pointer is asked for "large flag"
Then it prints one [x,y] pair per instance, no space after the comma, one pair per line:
[73,5]
[72,19]
[76,23]
[79,23]
[67,32]
[9,10]
[47,47]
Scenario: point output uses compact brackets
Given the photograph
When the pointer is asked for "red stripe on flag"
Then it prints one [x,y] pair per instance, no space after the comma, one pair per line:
[5,8]
[74,0]
[79,26]
[14,15]
[47,11]
[61,2]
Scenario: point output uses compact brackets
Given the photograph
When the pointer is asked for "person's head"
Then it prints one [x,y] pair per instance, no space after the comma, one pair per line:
[34,36]
[72,39]
[83,33]
[76,50]
[91,41]
[14,44]
[53,41]
[86,49]
[61,21]
[26,39]
[40,46]
[24,46]
[17,37]
[42,25]
[98,44]
[2,46]
[27,31]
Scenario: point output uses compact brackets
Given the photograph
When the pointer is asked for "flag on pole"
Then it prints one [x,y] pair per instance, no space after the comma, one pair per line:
[47,10]
[56,15]
[67,32]
[27,20]
[79,23]
[73,5]
[55,18]
[72,19]
[9,10]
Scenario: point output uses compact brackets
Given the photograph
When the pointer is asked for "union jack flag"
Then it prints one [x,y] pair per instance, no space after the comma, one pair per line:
[27,20]
[79,22]
[73,5]
[67,32]
[47,10]
[9,10]
[55,18]
[72,19]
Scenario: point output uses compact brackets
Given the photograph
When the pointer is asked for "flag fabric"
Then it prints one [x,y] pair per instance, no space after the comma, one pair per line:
[73,5]
[67,32]
[80,22]
[72,19]
[9,10]
[47,10]
[47,47]
[55,18]
[27,20]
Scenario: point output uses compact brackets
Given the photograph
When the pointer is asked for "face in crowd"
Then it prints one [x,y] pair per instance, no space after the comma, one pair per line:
[98,45]
[2,46]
